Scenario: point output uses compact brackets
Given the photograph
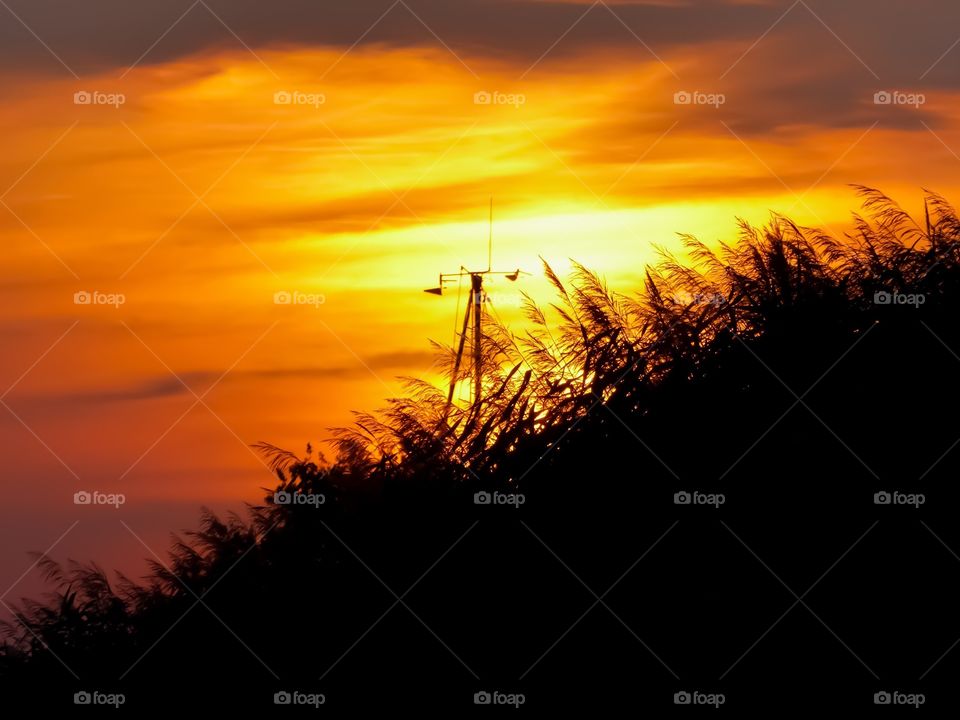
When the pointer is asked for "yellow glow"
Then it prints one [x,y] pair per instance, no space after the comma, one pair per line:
[363,199]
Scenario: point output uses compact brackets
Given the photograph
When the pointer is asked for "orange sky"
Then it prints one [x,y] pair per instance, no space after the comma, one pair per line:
[200,197]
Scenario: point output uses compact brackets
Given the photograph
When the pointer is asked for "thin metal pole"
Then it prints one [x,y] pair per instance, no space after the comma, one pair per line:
[456,365]
[477,283]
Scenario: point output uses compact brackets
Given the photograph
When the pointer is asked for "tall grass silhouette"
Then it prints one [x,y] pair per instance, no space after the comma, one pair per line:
[604,392]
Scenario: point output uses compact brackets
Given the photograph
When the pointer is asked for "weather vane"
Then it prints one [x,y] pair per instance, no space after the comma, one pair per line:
[474,310]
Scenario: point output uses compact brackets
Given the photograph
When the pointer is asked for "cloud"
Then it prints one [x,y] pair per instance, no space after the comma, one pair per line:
[166,386]
[100,34]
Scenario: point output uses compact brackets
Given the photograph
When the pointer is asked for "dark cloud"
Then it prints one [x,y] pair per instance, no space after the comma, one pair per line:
[801,76]
[898,39]
[156,388]
[116,33]
[818,64]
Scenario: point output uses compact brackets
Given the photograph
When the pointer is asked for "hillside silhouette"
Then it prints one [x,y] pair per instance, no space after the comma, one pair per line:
[680,489]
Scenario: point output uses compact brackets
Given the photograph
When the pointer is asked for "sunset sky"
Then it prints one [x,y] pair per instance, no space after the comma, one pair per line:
[196,158]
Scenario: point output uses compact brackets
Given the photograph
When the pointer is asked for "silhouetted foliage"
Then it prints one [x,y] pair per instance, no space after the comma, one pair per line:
[762,369]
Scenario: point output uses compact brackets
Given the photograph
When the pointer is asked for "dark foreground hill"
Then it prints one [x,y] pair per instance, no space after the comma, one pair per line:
[738,485]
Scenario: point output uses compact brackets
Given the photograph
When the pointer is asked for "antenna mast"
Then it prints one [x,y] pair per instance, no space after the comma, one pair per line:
[474,312]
